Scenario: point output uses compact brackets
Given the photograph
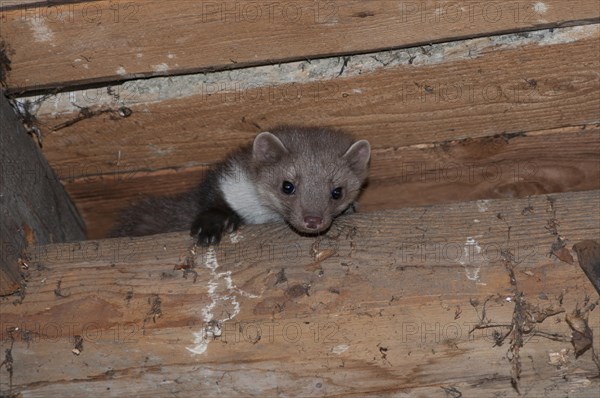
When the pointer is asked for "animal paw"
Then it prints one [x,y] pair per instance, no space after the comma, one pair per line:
[210,225]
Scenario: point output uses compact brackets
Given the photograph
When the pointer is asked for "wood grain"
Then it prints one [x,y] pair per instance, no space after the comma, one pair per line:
[34,207]
[102,41]
[387,311]
[510,89]
[560,160]
[22,4]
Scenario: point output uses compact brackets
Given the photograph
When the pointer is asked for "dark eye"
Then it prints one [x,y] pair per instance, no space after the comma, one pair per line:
[288,188]
[336,193]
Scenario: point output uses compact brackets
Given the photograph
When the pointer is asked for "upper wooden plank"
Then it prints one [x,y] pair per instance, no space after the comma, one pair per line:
[534,163]
[468,89]
[81,43]
[20,4]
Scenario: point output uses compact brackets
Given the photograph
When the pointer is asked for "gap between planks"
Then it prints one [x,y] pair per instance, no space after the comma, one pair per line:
[488,168]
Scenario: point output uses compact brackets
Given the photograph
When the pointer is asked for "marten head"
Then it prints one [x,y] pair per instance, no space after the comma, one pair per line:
[309,175]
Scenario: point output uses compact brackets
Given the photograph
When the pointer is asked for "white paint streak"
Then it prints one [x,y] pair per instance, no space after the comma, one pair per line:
[483,205]
[423,146]
[221,291]
[338,349]
[41,31]
[472,259]
[540,7]
[160,151]
[121,71]
[235,237]
[160,67]
[212,326]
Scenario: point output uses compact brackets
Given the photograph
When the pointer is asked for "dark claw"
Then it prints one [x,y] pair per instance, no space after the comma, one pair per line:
[210,225]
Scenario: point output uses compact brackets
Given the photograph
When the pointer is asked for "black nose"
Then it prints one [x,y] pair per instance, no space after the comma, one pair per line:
[312,222]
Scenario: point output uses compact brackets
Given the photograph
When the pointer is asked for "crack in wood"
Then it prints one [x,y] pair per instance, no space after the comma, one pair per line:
[9,362]
[344,65]
[582,335]
[86,113]
[77,345]
[281,278]
[452,392]
[518,321]
[58,291]
[524,319]
[26,112]
[155,310]
[189,264]
[558,248]
[4,62]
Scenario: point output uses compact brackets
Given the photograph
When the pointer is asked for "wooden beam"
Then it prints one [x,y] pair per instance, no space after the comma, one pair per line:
[34,205]
[468,90]
[424,119]
[453,299]
[509,166]
[23,4]
[129,39]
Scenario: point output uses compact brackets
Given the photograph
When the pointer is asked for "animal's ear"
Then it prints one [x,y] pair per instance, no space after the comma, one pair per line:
[358,156]
[268,148]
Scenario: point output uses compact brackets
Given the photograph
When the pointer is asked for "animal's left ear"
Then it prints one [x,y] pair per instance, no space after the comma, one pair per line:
[358,155]
[268,148]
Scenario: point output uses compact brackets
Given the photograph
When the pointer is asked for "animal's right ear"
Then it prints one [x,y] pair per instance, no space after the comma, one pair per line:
[268,148]
[358,156]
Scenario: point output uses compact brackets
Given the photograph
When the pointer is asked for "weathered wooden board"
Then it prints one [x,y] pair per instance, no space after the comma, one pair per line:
[104,41]
[509,166]
[34,207]
[20,4]
[503,87]
[390,308]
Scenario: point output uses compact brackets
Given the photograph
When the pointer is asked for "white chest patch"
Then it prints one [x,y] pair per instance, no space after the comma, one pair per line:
[240,193]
